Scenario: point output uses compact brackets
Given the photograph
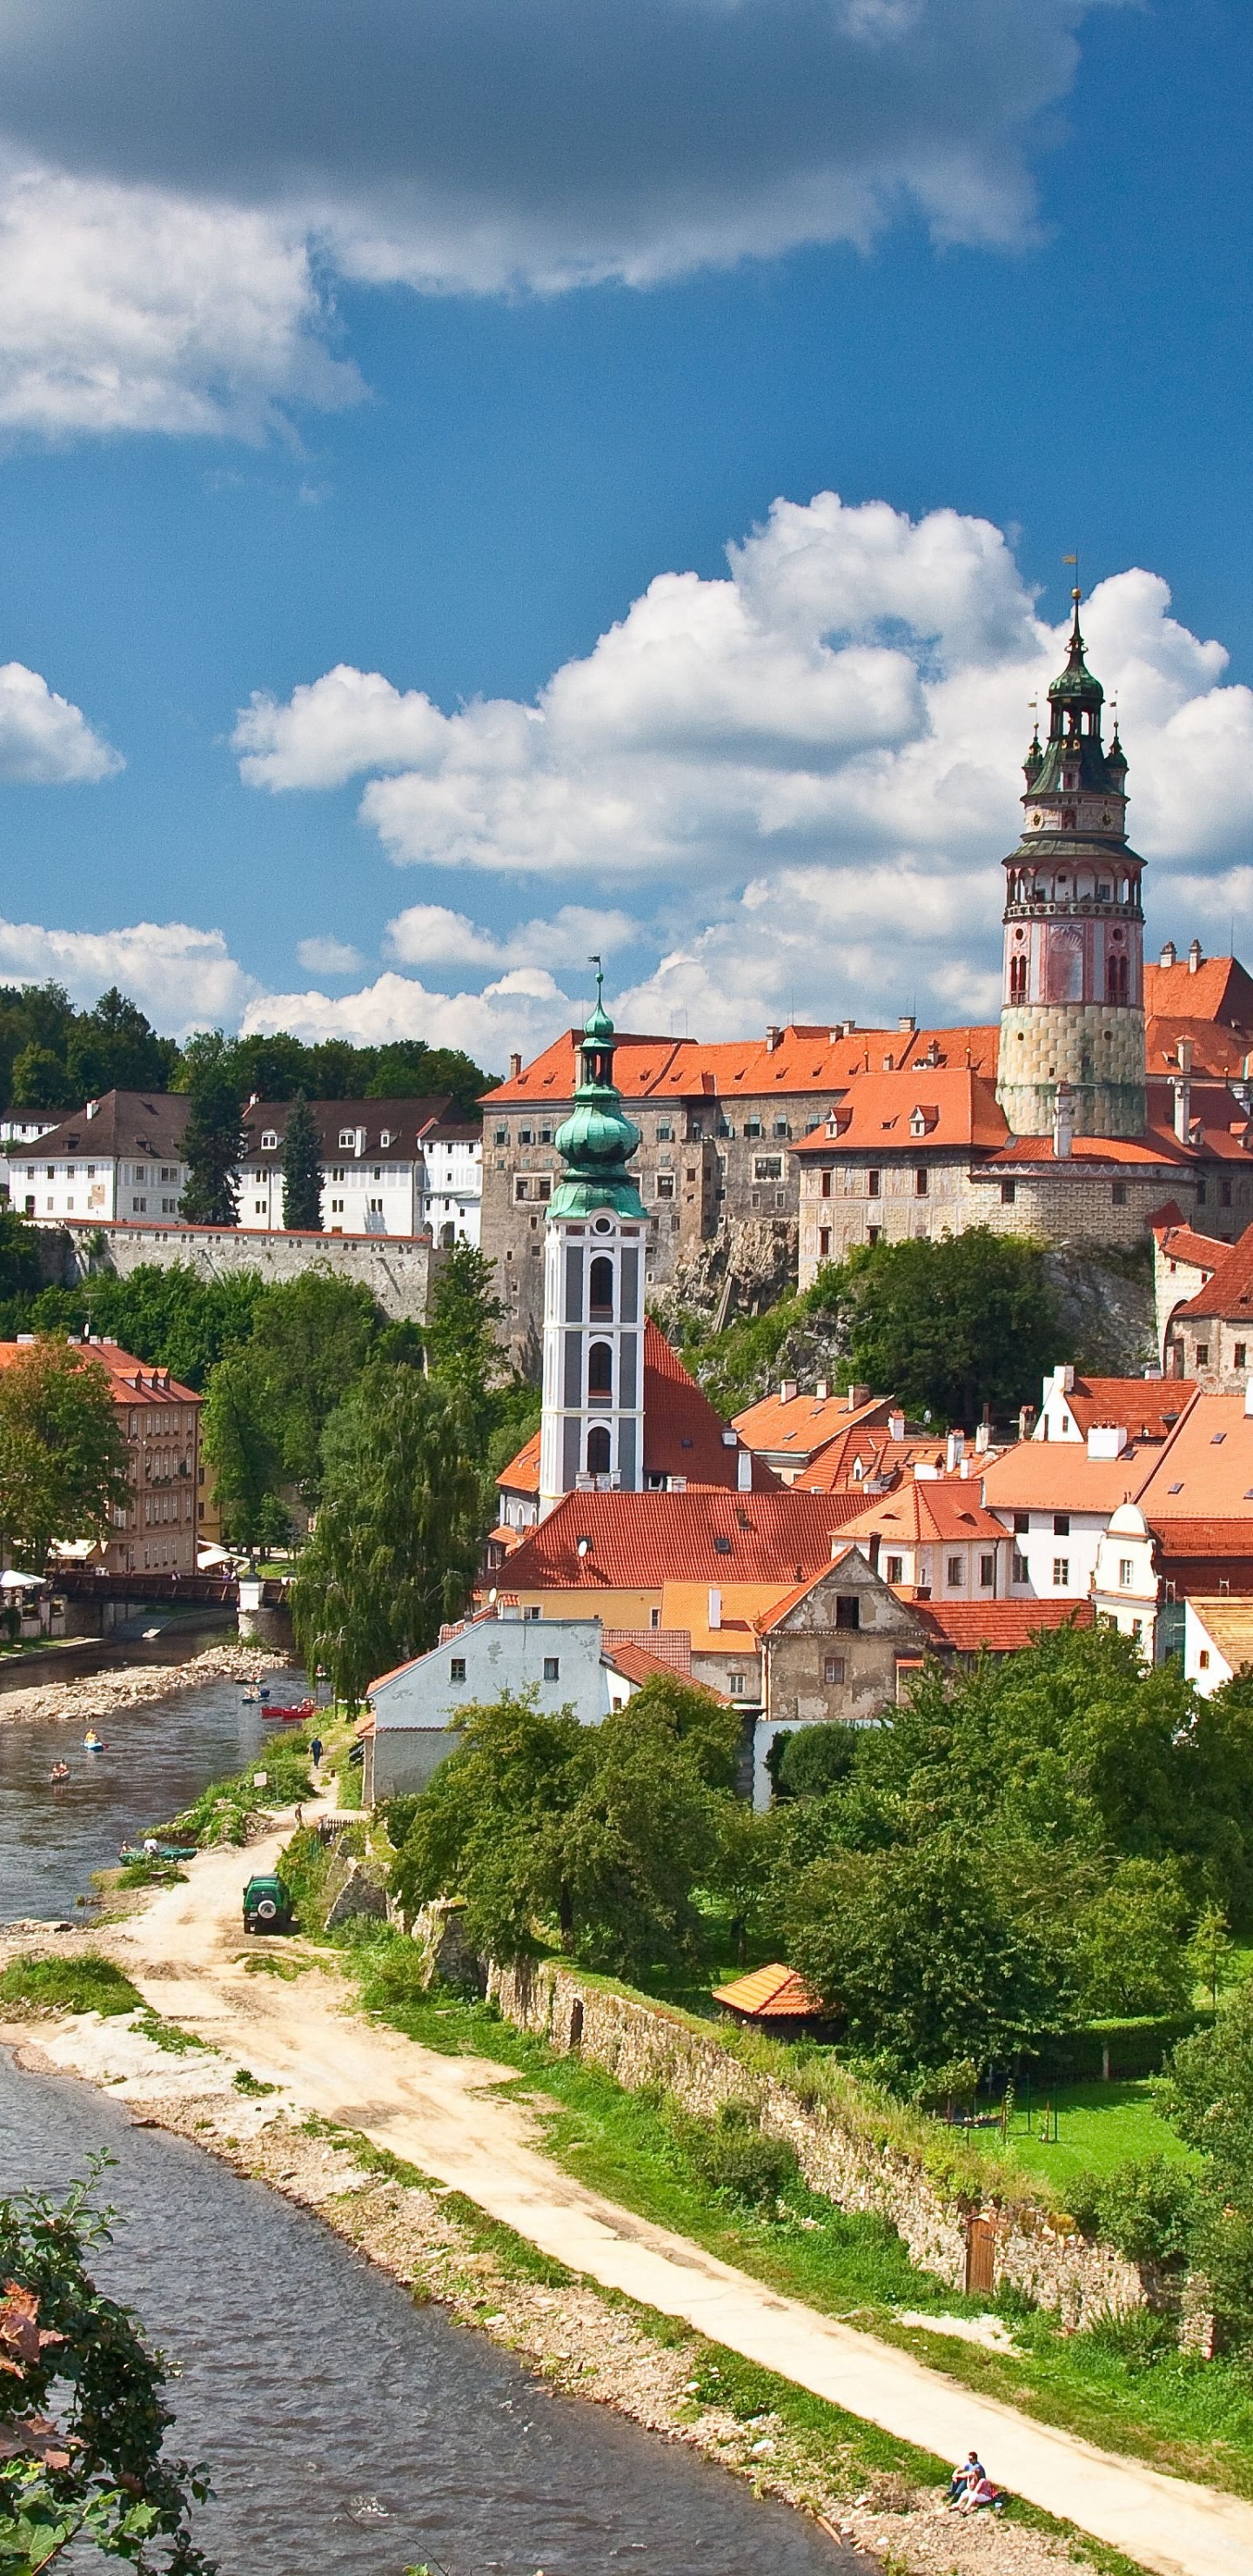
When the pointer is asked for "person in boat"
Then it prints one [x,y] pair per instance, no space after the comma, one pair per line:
[60,1771]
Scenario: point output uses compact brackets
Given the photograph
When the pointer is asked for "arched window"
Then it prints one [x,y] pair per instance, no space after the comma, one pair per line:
[601,1298]
[1018,979]
[598,1450]
[600,1374]
[1116,979]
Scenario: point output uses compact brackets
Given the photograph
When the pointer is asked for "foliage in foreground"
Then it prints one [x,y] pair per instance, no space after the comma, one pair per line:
[98,2474]
[63,1464]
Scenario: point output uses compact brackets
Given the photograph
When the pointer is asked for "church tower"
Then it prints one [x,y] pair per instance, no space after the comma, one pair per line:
[592,1431]
[1072,1015]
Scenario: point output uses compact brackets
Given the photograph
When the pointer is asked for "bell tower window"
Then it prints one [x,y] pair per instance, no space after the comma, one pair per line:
[598,1451]
[1018,978]
[600,1374]
[600,1296]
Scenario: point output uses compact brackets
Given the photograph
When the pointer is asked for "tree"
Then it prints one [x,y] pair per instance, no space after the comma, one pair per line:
[1211,1953]
[302,1171]
[40,1080]
[213,1145]
[1206,2093]
[599,1834]
[461,1332]
[1132,1937]
[114,1047]
[63,1458]
[310,1340]
[927,1954]
[245,1459]
[951,1325]
[99,2475]
[19,1254]
[398,1532]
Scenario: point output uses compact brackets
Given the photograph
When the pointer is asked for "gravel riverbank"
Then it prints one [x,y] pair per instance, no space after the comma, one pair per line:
[97,1695]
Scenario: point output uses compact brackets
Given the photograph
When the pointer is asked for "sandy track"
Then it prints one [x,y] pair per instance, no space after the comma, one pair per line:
[459,2119]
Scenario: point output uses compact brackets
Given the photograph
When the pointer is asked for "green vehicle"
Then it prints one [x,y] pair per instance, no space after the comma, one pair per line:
[267,1905]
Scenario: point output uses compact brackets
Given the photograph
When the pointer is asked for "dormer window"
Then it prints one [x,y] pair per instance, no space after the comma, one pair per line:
[347,1139]
[269,1140]
[385,1137]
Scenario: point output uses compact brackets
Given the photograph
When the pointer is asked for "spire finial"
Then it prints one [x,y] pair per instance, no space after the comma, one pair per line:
[600,981]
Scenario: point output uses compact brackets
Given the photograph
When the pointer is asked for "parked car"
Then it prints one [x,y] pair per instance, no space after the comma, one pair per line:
[267,1904]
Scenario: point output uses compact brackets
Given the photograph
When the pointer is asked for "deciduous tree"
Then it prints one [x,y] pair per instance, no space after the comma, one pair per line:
[63,1460]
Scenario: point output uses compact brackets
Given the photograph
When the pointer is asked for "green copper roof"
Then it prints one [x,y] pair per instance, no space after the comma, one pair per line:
[1076,680]
[597,1140]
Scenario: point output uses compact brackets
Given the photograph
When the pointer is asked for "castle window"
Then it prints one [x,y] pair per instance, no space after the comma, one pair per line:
[1007,1193]
[954,1572]
[1117,975]
[987,1572]
[600,1374]
[922,1181]
[824,1251]
[1202,1354]
[600,1300]
[825,1184]
[1119,1193]
[1018,979]
[1238,1355]
[665,1185]
[598,1450]
[768,1167]
[665,1132]
[833,1670]
[872,1185]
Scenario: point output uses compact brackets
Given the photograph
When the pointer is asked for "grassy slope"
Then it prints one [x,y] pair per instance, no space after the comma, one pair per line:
[1128,2389]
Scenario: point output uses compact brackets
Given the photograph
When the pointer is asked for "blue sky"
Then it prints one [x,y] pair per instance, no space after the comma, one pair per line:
[503,316]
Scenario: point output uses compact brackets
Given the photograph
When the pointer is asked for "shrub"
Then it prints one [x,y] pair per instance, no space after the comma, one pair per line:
[1147,2206]
[732,2156]
[806,1761]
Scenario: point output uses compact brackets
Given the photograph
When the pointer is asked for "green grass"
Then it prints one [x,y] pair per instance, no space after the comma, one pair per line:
[1098,2125]
[87,1984]
[1128,2389]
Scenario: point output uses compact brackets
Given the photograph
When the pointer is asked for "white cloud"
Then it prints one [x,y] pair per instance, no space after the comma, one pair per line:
[183,978]
[427,934]
[182,187]
[44,741]
[135,308]
[328,956]
[524,1009]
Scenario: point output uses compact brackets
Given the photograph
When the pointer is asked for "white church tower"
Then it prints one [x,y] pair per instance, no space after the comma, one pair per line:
[592,1433]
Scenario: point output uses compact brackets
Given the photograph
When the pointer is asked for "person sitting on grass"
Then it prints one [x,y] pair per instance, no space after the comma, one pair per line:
[981,2496]
[964,2477]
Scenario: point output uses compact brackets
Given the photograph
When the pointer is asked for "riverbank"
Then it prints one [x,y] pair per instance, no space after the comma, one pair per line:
[865,2489]
[101,1694]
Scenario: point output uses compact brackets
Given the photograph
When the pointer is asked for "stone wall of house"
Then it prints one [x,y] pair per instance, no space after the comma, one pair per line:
[399,1270]
[642,2044]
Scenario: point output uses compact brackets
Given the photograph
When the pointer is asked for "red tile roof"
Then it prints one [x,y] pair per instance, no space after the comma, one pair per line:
[943,1509]
[134,1382]
[642,1541]
[636,1664]
[922,1108]
[521,1476]
[832,1471]
[775,1993]
[1146,1407]
[1059,1476]
[1218,989]
[1003,1627]
[1179,1242]
[1205,1470]
[1229,1289]
[802,1423]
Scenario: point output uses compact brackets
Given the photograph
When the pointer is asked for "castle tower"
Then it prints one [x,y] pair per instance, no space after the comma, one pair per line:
[592,1430]
[1072,1014]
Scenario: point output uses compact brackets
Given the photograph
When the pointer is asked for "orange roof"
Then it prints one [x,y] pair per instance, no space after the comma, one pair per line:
[1229,1289]
[133,1381]
[683,1433]
[1205,1471]
[834,1469]
[942,1509]
[1159,1145]
[922,1108]
[802,1058]
[645,1541]
[636,1665]
[1002,1627]
[1217,989]
[1180,1242]
[1216,1121]
[803,1423]
[1147,1407]
[1059,1476]
[773,1993]
[1215,1049]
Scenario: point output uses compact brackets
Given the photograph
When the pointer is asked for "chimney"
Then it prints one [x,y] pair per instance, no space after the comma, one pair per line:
[1063,1121]
[906,1024]
[515,1067]
[1026,1416]
[1106,1440]
[954,1451]
[772,1039]
[983,1438]
[715,1606]
[857,1395]
[822,1389]
[1182,1088]
[92,1107]
[1168,952]
[896,1426]
[1195,956]
[253,1098]
[788,1390]
[744,1472]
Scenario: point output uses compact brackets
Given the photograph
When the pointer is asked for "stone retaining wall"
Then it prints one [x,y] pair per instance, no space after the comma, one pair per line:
[641,2044]
[398,1269]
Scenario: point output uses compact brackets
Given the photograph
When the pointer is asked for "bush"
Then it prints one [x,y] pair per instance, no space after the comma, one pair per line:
[1147,2206]
[86,1984]
[807,1761]
[732,2156]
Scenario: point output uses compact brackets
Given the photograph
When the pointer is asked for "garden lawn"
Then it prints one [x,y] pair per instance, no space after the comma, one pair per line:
[1125,2386]
[1097,2126]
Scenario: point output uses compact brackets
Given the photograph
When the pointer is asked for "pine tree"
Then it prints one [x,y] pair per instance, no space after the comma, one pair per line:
[213,1146]
[302,1171]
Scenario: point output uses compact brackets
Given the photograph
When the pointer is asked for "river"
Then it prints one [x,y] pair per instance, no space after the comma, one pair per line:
[351,2433]
[160,1755]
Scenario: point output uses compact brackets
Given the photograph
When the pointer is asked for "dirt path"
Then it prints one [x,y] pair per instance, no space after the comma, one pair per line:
[459,2119]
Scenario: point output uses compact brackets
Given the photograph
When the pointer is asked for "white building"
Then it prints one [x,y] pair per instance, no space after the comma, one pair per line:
[118,1159]
[413,1711]
[1125,1582]
[1217,1640]
[388,1167]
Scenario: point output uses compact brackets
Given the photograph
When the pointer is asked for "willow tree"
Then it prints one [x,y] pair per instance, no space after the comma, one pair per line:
[398,1533]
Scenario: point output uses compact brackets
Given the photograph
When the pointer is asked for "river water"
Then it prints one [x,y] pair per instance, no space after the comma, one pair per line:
[351,2433]
[160,1755]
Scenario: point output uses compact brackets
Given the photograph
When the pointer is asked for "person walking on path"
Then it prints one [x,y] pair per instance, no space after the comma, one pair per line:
[315,1751]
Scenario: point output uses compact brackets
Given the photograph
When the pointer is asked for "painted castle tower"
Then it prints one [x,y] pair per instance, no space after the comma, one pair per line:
[592,1430]
[1072,1015]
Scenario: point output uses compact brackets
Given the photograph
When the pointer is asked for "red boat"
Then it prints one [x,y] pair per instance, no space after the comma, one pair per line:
[303,1709]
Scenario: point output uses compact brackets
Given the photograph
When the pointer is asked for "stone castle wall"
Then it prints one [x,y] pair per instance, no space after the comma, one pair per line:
[642,2044]
[1073,1202]
[398,1270]
[1097,1047]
